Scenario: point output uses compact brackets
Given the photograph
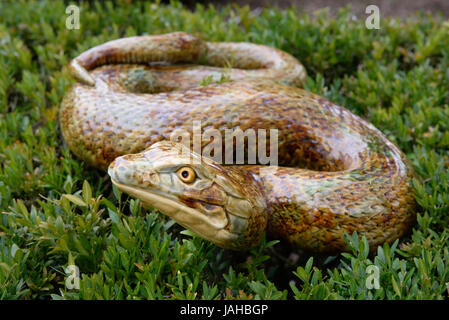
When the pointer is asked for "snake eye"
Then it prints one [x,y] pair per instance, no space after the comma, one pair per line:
[187,174]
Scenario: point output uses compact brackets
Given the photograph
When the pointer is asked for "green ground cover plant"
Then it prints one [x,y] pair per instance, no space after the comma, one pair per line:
[55,211]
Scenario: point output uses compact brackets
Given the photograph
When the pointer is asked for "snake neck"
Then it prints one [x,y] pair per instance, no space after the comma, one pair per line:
[249,206]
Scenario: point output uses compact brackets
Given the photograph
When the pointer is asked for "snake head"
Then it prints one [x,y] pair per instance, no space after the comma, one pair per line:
[223,204]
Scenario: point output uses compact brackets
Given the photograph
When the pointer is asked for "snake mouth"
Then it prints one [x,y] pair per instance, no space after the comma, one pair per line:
[208,227]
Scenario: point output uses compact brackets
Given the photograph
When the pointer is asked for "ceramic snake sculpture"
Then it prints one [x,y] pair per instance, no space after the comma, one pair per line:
[336,173]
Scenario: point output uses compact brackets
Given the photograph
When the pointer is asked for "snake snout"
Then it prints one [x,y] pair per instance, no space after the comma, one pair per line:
[119,170]
[124,170]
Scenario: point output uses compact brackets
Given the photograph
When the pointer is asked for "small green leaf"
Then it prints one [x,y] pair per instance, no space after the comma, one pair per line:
[87,192]
[74,199]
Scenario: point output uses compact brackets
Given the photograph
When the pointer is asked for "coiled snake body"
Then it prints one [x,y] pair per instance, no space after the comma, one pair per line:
[336,174]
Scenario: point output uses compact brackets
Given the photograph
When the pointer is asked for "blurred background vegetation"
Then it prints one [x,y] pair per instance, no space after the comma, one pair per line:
[56,211]
[388,8]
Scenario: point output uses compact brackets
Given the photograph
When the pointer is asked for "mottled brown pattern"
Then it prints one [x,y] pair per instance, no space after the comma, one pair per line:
[337,172]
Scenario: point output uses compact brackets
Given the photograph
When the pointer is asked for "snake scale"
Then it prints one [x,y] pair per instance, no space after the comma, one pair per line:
[336,173]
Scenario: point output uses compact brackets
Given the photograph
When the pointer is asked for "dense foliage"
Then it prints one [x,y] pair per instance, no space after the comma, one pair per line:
[56,211]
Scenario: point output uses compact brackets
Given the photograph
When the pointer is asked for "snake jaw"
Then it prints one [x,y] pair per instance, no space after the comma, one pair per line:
[188,217]
[213,206]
